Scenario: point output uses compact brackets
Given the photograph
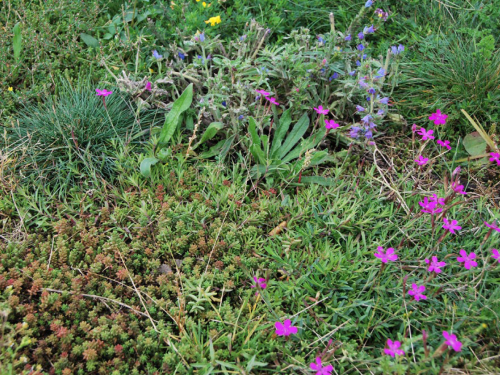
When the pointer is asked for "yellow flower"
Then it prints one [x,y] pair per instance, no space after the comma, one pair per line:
[151,70]
[10,89]
[197,1]
[214,20]
[204,4]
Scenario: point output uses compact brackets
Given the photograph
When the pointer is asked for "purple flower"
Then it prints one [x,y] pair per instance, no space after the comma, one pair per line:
[241,117]
[358,63]
[103,92]
[438,118]
[360,109]
[417,292]
[380,73]
[444,144]
[352,73]
[434,265]
[435,198]
[381,14]
[368,30]
[467,259]
[354,133]
[386,255]
[224,103]
[202,37]
[262,92]
[451,340]
[401,48]
[321,40]
[384,100]
[260,282]
[320,370]
[334,76]
[361,36]
[492,226]
[393,350]
[148,86]
[348,37]
[331,124]
[421,160]
[495,156]
[321,111]
[285,328]
[272,100]
[426,134]
[451,226]
[496,254]
[360,47]
[371,90]
[380,112]
[369,3]
[458,188]
[429,207]
[366,119]
[156,55]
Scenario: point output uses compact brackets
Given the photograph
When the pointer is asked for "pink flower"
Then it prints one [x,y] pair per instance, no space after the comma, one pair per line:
[426,134]
[458,188]
[331,124]
[414,128]
[496,254]
[416,291]
[435,198]
[429,207]
[434,265]
[421,160]
[438,118]
[444,144]
[148,86]
[272,100]
[386,255]
[260,282]
[456,171]
[285,328]
[263,93]
[393,350]
[103,92]
[467,259]
[492,226]
[321,110]
[320,370]
[451,340]
[451,226]
[495,156]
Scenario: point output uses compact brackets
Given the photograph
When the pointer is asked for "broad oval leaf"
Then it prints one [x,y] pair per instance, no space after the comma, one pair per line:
[146,166]
[211,131]
[89,40]
[182,103]
[475,144]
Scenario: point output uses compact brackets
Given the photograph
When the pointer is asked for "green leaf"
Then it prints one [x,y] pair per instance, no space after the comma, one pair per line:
[281,130]
[252,129]
[311,142]
[89,40]
[297,132]
[255,147]
[475,144]
[325,181]
[211,131]
[146,166]
[182,103]
[220,148]
[17,42]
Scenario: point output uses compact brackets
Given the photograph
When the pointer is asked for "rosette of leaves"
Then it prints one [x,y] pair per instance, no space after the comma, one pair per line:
[286,153]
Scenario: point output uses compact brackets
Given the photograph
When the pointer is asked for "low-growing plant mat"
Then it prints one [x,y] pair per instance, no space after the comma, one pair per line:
[156,277]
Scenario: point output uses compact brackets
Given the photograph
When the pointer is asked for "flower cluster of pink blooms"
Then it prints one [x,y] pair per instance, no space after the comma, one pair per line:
[439,119]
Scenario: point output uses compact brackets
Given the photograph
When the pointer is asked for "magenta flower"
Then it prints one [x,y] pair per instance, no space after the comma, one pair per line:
[467,259]
[426,134]
[103,92]
[414,128]
[148,86]
[451,226]
[444,144]
[321,110]
[393,350]
[451,340]
[421,160]
[260,282]
[438,118]
[272,100]
[331,124]
[285,328]
[458,188]
[435,198]
[495,156]
[263,93]
[496,254]
[492,226]
[318,367]
[386,255]
[416,291]
[429,207]
[434,265]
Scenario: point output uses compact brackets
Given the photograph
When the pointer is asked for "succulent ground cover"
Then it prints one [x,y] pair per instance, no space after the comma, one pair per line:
[267,190]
